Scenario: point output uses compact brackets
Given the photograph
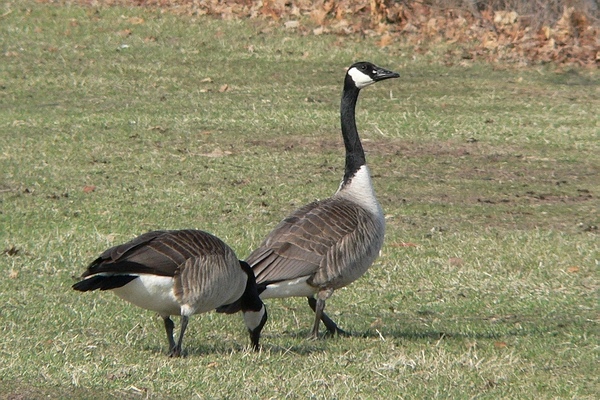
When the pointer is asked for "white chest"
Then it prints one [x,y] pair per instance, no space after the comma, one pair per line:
[360,191]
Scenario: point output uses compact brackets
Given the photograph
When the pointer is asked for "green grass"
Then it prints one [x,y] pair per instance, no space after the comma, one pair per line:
[486,286]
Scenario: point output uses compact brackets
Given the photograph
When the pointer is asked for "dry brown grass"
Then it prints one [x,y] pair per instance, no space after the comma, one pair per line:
[535,12]
[521,32]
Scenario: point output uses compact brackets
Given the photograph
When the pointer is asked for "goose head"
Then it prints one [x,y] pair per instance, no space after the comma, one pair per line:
[253,309]
[363,74]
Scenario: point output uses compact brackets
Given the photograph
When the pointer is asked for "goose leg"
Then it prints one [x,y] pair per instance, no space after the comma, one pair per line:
[322,295]
[169,325]
[319,307]
[176,351]
[331,326]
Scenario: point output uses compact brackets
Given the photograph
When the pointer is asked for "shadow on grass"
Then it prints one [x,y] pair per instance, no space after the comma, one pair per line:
[472,329]
[299,343]
[483,328]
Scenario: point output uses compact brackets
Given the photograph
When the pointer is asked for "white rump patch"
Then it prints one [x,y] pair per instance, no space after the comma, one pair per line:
[151,292]
[360,79]
[292,288]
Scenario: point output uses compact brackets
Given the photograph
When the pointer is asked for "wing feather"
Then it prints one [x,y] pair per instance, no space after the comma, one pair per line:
[316,241]
[157,252]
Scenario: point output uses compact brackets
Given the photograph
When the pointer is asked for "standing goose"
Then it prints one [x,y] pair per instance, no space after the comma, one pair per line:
[328,244]
[182,273]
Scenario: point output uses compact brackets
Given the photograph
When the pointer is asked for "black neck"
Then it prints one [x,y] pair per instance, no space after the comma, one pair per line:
[355,155]
[250,300]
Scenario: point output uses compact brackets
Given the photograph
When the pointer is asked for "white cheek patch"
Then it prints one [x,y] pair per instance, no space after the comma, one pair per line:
[360,79]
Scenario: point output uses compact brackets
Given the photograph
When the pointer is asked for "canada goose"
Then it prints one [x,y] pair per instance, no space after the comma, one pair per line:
[328,244]
[182,272]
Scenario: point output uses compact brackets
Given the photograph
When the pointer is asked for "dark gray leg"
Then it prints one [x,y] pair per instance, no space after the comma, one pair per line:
[319,307]
[169,325]
[176,351]
[331,326]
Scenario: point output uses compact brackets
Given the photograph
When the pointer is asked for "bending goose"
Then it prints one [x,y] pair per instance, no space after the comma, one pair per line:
[328,244]
[182,273]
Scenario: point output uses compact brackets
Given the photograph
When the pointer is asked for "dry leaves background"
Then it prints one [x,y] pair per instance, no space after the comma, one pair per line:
[480,31]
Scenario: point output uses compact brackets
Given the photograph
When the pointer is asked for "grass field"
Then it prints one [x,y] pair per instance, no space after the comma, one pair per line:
[118,121]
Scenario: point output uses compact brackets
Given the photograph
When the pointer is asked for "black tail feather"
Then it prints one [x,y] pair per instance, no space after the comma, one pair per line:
[103,282]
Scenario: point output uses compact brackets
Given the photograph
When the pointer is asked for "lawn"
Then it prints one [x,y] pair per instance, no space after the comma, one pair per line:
[117,121]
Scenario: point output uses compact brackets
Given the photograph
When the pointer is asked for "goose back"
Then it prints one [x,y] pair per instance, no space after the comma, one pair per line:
[158,253]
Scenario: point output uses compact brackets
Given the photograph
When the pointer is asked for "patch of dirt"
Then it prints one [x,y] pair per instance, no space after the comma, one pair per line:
[302,144]
[483,184]
[460,172]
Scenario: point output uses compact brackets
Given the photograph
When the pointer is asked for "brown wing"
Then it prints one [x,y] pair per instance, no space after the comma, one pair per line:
[309,242]
[157,252]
